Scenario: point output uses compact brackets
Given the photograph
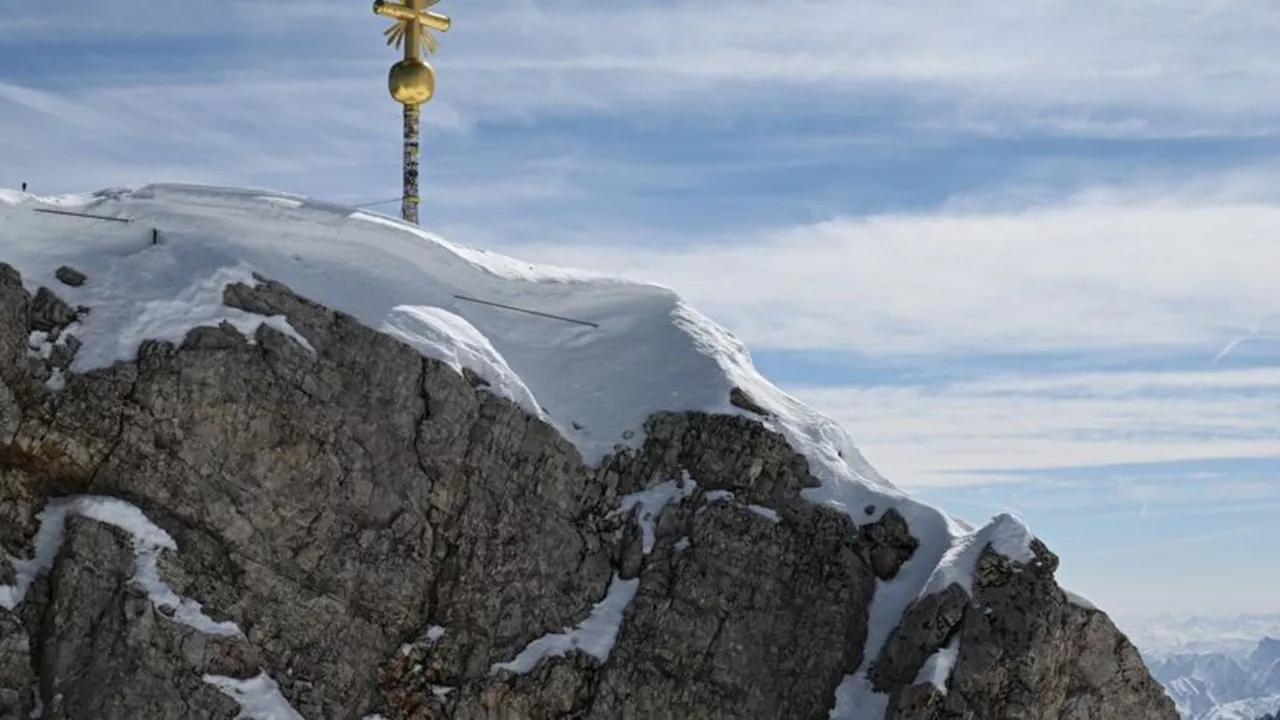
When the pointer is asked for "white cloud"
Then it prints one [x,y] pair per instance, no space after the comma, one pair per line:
[1007,428]
[1051,63]
[1087,67]
[1103,272]
[977,56]
[255,93]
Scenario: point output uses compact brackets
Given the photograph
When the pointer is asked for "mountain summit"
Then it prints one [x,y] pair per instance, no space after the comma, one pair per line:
[1267,653]
[268,457]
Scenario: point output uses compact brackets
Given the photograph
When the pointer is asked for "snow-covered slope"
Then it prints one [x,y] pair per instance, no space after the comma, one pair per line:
[635,350]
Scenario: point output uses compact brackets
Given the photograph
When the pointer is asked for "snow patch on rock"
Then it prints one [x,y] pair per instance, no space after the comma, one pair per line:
[765,512]
[652,502]
[149,540]
[1006,534]
[259,697]
[594,636]
[937,669]
[449,338]
[1079,600]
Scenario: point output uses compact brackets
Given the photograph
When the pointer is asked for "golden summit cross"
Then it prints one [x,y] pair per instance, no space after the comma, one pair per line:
[412,81]
[410,18]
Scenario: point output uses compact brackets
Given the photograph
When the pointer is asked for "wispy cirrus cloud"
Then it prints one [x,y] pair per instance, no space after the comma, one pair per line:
[1094,273]
[972,68]
[997,428]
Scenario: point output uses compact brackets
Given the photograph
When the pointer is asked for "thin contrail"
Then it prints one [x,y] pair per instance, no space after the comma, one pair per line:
[1253,334]
[1230,346]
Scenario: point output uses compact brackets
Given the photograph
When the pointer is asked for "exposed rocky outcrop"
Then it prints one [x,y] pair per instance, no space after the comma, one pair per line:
[385,532]
[49,313]
[18,688]
[106,651]
[1024,651]
[68,275]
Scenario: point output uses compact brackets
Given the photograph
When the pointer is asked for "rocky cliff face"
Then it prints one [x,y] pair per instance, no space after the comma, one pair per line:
[232,522]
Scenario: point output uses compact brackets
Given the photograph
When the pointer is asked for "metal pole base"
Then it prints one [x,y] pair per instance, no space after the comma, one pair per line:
[409,201]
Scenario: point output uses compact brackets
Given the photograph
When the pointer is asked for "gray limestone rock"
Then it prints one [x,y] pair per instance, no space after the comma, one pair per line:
[886,544]
[49,313]
[473,378]
[64,352]
[1024,653]
[926,627]
[336,511]
[631,547]
[17,676]
[558,688]
[68,275]
[336,501]
[109,653]
[915,702]
[15,324]
[223,337]
[740,399]
[753,619]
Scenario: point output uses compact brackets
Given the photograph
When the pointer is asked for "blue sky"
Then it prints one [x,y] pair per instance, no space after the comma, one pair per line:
[1005,243]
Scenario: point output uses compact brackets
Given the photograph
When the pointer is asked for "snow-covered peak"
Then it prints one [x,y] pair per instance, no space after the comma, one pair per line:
[648,352]
[621,350]
[644,351]
[1266,653]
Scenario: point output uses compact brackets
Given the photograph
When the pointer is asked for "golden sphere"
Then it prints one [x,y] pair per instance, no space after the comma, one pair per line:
[412,82]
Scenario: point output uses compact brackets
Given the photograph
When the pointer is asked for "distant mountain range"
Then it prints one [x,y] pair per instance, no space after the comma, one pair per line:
[1222,685]
[1162,635]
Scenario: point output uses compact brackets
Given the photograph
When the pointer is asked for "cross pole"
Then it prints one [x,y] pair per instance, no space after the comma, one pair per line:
[412,82]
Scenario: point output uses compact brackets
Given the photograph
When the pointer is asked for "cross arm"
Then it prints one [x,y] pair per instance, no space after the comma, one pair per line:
[435,21]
